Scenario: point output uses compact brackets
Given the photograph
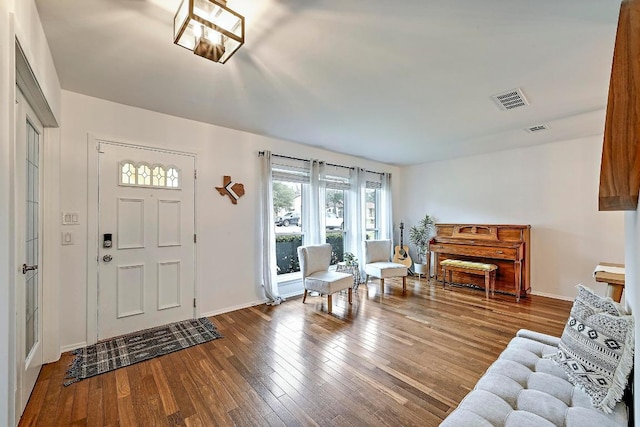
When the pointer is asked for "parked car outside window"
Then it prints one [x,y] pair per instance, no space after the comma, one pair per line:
[290,218]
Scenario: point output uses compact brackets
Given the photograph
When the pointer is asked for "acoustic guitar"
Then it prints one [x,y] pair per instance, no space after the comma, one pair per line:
[401,252]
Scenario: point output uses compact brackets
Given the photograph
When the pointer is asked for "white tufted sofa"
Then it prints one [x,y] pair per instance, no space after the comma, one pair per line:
[523,389]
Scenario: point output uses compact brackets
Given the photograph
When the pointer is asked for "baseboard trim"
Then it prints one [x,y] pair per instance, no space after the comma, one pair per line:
[554,296]
[293,294]
[234,308]
[71,347]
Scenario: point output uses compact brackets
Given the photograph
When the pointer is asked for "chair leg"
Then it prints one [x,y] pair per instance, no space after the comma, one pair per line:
[304,298]
[493,283]
[350,295]
[487,284]
[381,286]
[329,303]
[444,277]
[404,285]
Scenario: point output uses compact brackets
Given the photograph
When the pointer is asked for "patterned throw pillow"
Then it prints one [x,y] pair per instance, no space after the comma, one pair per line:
[596,348]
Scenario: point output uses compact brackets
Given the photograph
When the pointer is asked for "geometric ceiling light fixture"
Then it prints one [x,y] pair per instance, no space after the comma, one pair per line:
[208,28]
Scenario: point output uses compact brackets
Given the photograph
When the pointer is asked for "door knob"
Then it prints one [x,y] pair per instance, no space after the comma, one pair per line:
[26,268]
[107,258]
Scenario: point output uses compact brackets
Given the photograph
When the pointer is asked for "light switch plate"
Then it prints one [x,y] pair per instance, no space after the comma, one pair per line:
[67,238]
[70,218]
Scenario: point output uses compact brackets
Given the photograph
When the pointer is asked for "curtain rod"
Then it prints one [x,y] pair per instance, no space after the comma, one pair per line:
[261,153]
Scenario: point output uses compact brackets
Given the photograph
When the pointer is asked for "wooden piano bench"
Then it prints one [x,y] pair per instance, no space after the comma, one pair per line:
[488,270]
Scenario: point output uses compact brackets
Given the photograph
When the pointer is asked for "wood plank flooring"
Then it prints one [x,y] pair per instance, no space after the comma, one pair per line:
[386,360]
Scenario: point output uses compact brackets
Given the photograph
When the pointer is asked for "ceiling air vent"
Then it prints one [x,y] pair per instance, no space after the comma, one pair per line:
[510,99]
[537,128]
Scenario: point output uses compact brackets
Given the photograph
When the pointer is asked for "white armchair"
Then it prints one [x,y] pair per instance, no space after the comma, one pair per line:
[314,265]
[377,263]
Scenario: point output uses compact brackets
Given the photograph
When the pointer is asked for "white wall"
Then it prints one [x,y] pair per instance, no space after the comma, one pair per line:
[227,261]
[552,187]
[30,35]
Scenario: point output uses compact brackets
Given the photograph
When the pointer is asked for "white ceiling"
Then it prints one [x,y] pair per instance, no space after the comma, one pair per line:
[398,82]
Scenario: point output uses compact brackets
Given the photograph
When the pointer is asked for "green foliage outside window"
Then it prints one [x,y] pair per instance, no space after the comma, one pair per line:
[287,250]
[283,197]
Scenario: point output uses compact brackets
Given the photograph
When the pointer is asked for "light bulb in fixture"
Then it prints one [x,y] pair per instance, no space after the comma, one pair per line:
[209,28]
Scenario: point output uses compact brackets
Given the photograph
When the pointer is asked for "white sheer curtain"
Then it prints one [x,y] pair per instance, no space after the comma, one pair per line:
[267,232]
[386,207]
[313,206]
[355,218]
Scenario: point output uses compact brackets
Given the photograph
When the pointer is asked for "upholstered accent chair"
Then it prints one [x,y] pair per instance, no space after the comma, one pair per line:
[377,263]
[314,265]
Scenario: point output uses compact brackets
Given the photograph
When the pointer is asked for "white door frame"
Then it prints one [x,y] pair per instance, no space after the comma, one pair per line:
[93,216]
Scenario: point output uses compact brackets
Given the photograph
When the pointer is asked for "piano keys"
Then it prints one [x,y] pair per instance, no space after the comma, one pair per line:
[507,246]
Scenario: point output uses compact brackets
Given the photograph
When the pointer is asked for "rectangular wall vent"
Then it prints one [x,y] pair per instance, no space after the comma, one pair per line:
[537,128]
[510,99]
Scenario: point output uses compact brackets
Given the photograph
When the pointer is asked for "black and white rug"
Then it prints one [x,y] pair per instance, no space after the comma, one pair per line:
[126,350]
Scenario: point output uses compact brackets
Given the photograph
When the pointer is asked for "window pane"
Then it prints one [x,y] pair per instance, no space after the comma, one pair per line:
[372,206]
[334,223]
[144,175]
[287,208]
[159,177]
[173,177]
[128,174]
[141,174]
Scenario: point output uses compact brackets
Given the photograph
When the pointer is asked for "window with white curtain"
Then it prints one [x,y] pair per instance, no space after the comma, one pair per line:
[292,192]
[290,177]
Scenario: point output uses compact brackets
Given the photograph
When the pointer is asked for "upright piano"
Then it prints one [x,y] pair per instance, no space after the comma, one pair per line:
[507,246]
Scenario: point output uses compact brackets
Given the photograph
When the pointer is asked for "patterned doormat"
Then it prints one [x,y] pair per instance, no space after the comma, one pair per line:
[126,350]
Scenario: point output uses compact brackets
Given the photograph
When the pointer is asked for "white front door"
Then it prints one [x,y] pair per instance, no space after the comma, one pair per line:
[146,257]
[28,249]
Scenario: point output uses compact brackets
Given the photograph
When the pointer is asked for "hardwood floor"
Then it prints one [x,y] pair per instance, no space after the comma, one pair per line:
[391,360]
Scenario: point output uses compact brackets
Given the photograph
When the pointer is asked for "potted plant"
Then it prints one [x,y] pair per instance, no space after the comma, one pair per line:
[350,259]
[419,236]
